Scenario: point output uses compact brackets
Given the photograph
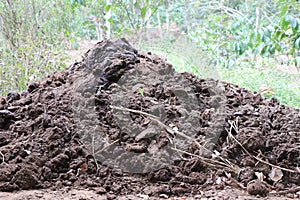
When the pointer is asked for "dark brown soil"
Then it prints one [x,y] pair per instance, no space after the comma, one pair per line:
[208,135]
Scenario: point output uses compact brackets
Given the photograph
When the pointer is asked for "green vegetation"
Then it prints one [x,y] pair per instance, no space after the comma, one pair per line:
[30,42]
[247,42]
[286,86]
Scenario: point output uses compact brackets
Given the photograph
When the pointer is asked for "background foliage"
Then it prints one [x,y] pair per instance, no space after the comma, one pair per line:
[253,43]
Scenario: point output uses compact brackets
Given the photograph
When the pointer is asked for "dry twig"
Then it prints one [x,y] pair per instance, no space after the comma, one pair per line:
[234,125]
[162,125]
[93,151]
[210,162]
[107,146]
[3,158]
[292,190]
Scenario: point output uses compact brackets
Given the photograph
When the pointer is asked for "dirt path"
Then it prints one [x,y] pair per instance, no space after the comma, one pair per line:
[80,194]
[75,55]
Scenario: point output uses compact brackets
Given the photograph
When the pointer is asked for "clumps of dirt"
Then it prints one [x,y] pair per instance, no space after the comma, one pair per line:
[257,187]
[123,121]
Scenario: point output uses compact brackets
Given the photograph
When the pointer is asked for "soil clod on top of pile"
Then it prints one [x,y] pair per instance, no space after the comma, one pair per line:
[125,122]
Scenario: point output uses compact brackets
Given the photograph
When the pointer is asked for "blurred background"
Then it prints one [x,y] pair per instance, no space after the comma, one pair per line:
[254,44]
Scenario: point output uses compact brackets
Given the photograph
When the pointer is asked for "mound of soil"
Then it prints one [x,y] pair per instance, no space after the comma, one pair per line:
[123,122]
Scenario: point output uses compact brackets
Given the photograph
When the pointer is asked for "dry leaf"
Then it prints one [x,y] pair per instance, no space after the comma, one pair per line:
[27,151]
[175,129]
[276,174]
[260,176]
[228,174]
[264,89]
[83,168]
[215,154]
[143,196]
[172,125]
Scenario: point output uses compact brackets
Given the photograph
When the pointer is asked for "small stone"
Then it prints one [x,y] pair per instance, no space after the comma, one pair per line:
[13,96]
[111,196]
[32,87]
[101,190]
[39,195]
[6,118]
[257,187]
[26,179]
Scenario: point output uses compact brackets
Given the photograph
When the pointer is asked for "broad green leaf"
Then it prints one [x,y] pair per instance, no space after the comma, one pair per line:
[258,37]
[111,21]
[72,40]
[293,22]
[282,36]
[297,43]
[259,48]
[285,23]
[107,8]
[144,11]
[276,33]
[278,47]
[236,47]
[264,51]
[85,23]
[272,49]
[283,10]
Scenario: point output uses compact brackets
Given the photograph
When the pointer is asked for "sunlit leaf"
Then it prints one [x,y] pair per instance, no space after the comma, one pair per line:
[265,89]
[144,11]
[260,176]
[297,43]
[111,21]
[283,10]
[107,8]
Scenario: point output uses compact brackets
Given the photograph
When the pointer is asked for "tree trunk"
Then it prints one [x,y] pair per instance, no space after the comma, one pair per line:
[257,21]
[107,17]
[148,15]
[186,17]
[247,6]
[159,24]
[258,16]
[167,15]
[98,28]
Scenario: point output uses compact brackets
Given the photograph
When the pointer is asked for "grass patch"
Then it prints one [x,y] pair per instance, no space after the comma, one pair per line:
[26,64]
[286,86]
